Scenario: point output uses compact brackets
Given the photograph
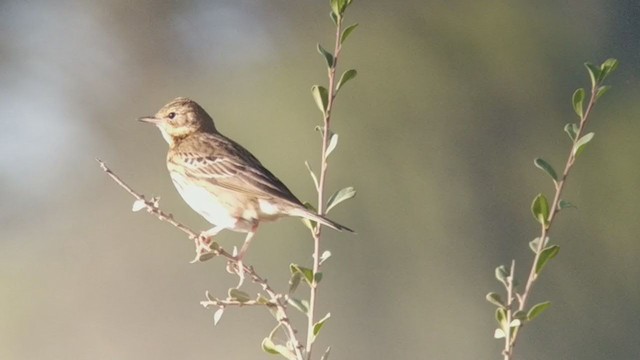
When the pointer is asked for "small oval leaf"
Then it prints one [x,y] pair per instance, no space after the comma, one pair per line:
[546,167]
[578,102]
[138,205]
[537,309]
[346,76]
[594,74]
[546,255]
[239,295]
[345,34]
[601,90]
[535,244]
[300,305]
[269,347]
[581,143]
[318,326]
[607,67]
[305,272]
[501,317]
[340,196]
[328,57]
[502,274]
[294,281]
[563,204]
[571,130]
[495,299]
[321,97]
[217,316]
[540,209]
[333,142]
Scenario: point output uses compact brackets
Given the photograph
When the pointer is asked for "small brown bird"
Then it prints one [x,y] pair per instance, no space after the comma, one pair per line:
[220,179]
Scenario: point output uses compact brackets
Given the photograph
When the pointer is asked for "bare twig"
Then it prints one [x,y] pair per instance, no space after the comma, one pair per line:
[275,299]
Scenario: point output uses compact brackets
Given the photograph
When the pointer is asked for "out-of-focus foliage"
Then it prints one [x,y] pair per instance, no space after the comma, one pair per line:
[453,101]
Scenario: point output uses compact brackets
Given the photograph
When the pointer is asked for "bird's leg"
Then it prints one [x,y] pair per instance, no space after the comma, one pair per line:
[203,242]
[245,246]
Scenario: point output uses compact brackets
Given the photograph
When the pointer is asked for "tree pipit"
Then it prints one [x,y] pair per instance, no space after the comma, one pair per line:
[221,180]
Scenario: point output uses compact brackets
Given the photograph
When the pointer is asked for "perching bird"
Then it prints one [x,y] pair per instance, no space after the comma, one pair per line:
[220,179]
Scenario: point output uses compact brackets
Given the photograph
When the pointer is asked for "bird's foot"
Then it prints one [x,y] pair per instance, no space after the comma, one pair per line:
[203,248]
[236,266]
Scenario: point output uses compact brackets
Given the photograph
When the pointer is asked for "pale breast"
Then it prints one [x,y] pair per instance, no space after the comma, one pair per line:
[225,208]
[204,202]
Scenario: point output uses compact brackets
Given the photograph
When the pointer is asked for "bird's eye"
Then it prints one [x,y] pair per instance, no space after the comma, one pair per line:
[171,115]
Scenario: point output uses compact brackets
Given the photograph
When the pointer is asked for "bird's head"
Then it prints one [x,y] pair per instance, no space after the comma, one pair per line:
[180,118]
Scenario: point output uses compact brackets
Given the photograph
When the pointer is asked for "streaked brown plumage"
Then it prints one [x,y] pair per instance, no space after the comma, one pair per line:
[219,178]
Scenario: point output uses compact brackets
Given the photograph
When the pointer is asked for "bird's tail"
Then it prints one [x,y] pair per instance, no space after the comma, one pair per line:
[303,212]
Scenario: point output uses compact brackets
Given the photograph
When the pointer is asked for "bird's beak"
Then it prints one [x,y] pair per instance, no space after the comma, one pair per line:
[150,119]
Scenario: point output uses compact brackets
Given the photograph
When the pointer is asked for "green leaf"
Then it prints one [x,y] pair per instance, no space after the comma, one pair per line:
[578,100]
[594,74]
[564,204]
[578,147]
[546,167]
[498,334]
[317,277]
[313,175]
[342,4]
[537,309]
[571,130]
[294,281]
[340,196]
[546,255]
[262,300]
[502,274]
[495,299]
[328,57]
[321,96]
[336,8]
[333,142]
[346,76]
[333,17]
[601,90]
[347,32]
[305,272]
[540,209]
[607,67]
[501,317]
[239,295]
[301,305]
[269,347]
[535,244]
[318,326]
[520,315]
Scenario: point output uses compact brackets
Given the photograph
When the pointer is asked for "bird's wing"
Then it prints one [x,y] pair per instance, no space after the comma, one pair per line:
[226,164]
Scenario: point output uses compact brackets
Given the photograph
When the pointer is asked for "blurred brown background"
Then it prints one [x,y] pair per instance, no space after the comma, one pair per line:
[453,101]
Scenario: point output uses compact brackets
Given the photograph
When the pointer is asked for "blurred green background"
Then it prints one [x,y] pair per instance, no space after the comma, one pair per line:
[453,101]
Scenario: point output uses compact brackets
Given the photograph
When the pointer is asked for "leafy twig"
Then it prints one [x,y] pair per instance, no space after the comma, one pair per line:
[325,99]
[512,314]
